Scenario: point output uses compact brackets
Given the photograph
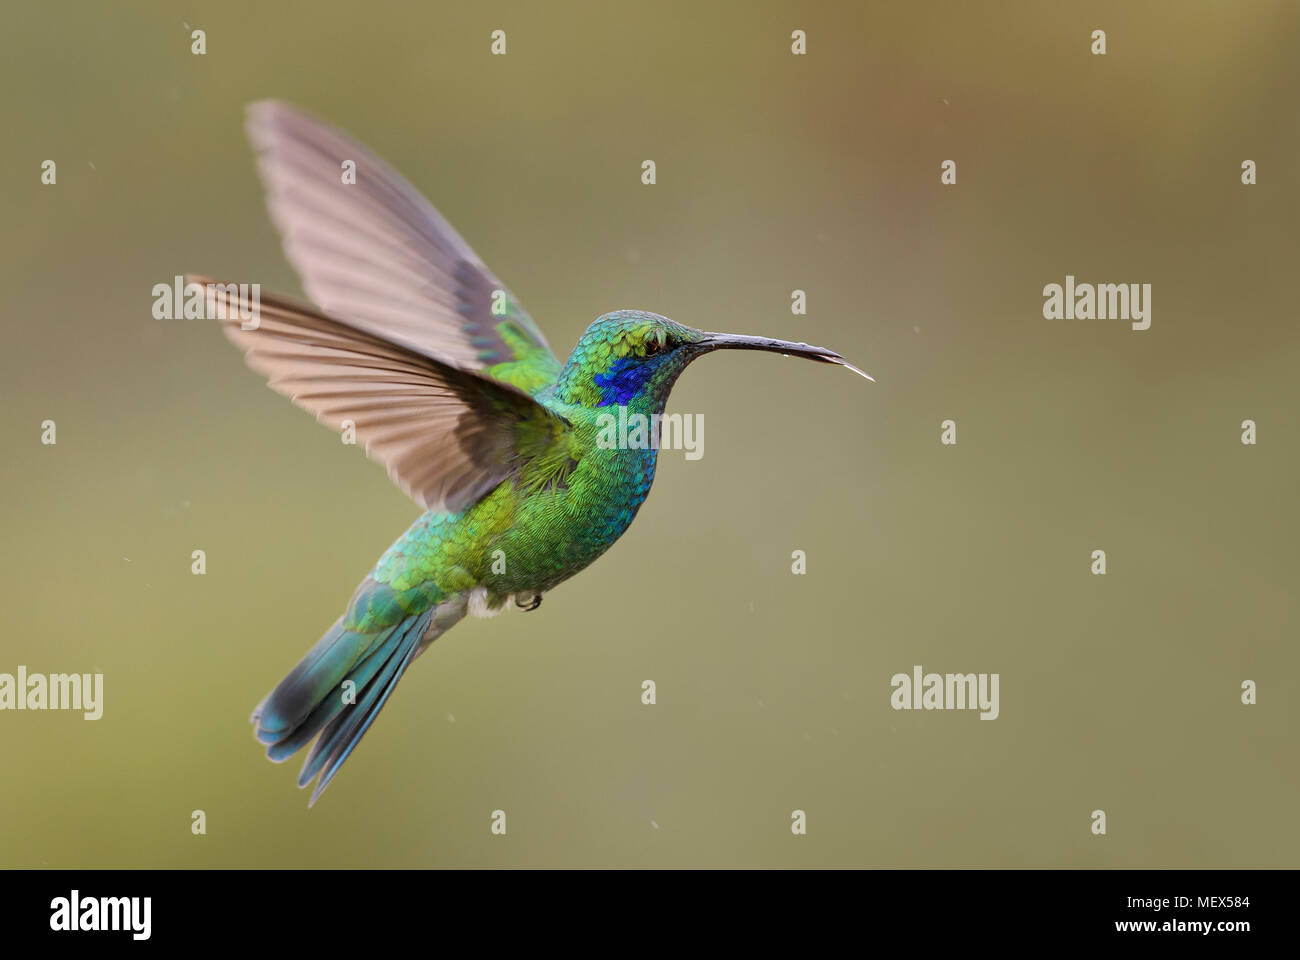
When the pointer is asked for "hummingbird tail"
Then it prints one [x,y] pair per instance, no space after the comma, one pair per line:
[338,689]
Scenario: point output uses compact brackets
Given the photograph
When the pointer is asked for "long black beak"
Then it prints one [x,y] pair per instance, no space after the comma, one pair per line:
[732,341]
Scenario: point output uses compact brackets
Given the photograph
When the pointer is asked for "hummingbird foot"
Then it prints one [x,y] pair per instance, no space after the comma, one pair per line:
[527,603]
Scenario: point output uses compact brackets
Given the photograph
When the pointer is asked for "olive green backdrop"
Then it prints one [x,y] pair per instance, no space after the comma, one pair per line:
[775,173]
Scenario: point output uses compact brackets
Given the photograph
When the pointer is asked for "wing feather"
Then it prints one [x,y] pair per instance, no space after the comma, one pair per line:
[446,435]
[376,253]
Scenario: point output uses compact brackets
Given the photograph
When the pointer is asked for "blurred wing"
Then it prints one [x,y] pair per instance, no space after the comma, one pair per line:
[447,436]
[376,254]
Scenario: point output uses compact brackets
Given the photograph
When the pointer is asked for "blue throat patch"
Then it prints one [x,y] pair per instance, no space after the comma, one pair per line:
[623,380]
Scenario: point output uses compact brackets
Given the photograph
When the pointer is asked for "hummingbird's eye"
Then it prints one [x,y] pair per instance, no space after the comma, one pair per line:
[652,347]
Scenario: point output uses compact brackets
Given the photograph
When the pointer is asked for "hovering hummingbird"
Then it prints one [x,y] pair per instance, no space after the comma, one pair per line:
[449,383]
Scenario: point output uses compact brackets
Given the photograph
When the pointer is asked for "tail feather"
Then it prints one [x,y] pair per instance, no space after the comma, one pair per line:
[333,703]
[340,738]
[324,667]
[310,701]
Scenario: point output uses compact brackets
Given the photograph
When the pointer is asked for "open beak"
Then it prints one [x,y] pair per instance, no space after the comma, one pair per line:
[732,341]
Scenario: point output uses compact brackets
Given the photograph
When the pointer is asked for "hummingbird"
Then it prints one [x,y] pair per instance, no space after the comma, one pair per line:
[413,343]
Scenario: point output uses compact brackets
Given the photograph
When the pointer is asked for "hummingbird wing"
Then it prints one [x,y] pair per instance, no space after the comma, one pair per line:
[375,253]
[446,435]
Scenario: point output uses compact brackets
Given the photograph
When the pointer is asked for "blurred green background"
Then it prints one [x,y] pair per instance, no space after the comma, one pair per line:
[775,172]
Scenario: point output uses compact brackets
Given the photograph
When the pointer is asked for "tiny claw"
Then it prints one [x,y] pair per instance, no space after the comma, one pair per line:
[536,602]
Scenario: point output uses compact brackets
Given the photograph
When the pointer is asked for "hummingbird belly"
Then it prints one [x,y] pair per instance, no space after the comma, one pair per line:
[520,541]
[558,531]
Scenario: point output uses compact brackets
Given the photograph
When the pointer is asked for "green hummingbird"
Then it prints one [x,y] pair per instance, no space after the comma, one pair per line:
[415,345]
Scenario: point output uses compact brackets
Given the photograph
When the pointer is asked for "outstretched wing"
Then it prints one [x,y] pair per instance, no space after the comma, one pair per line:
[446,435]
[376,254]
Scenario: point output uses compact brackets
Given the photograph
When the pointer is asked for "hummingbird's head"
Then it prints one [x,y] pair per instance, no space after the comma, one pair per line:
[631,357]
